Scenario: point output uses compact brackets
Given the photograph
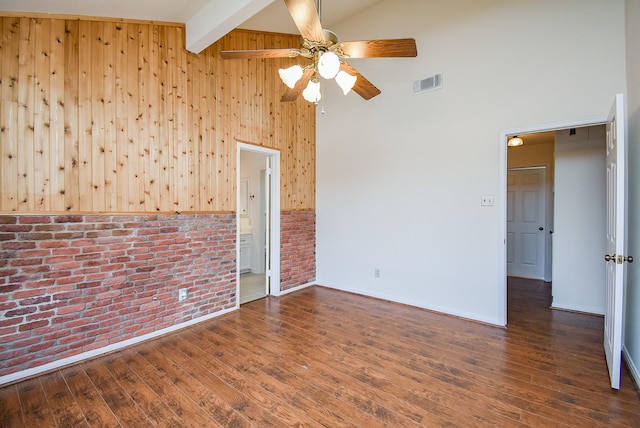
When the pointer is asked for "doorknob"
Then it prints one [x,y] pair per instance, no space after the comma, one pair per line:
[541,228]
[608,258]
[629,259]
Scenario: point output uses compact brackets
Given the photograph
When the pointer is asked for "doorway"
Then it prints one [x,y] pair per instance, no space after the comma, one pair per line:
[565,260]
[258,225]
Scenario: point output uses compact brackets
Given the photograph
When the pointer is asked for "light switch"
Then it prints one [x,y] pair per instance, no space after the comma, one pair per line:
[486,201]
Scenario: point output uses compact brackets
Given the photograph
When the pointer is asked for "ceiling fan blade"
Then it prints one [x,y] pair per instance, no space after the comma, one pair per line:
[306,18]
[363,87]
[379,48]
[260,53]
[292,93]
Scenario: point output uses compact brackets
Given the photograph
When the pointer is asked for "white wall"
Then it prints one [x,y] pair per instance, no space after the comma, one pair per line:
[400,176]
[579,238]
[632,318]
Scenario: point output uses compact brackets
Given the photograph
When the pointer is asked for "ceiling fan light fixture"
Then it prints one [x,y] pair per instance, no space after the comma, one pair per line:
[328,65]
[515,141]
[345,81]
[312,92]
[291,75]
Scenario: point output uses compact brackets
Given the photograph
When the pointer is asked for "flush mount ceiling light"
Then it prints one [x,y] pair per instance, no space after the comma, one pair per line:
[328,56]
[515,141]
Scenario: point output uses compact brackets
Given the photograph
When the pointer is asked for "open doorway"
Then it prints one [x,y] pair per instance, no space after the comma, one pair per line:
[258,234]
[570,230]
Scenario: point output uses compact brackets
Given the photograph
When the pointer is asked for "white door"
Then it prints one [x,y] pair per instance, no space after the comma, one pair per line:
[526,210]
[616,234]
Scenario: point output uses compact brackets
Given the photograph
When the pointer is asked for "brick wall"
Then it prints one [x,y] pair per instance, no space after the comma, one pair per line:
[297,248]
[71,284]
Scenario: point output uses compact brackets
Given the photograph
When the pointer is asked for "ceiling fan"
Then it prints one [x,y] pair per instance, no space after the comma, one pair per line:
[327,54]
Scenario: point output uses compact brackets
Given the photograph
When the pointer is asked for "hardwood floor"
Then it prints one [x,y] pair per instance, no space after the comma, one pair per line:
[320,357]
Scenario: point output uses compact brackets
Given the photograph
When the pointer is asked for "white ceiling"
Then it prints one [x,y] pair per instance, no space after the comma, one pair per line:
[154,10]
[273,18]
[276,18]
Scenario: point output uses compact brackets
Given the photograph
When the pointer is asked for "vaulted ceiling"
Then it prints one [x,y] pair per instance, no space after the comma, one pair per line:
[206,20]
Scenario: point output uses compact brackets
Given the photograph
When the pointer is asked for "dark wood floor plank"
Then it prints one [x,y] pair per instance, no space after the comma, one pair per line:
[94,408]
[398,360]
[265,385]
[329,367]
[151,404]
[64,407]
[253,362]
[208,400]
[376,383]
[249,405]
[321,357]
[352,365]
[120,403]
[35,408]
[181,404]
[290,357]
[10,408]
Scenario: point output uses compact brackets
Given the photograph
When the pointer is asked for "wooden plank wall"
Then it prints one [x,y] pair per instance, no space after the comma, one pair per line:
[100,116]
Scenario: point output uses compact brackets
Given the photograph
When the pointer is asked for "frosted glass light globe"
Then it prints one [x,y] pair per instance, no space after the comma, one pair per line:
[328,65]
[345,81]
[291,75]
[312,92]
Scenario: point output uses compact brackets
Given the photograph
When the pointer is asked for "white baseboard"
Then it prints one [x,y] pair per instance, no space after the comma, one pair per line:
[417,304]
[577,308]
[299,287]
[24,374]
[633,370]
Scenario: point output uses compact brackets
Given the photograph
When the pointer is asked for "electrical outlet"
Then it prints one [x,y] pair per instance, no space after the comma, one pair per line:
[376,272]
[183,293]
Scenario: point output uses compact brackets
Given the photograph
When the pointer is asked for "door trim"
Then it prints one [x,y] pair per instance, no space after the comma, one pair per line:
[502,195]
[274,222]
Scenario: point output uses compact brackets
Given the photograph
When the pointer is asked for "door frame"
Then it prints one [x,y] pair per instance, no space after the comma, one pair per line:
[502,195]
[272,272]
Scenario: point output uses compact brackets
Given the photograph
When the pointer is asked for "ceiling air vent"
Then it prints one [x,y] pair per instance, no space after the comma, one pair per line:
[427,84]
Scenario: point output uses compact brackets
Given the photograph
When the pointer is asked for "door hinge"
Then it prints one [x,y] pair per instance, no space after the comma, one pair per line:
[268,171]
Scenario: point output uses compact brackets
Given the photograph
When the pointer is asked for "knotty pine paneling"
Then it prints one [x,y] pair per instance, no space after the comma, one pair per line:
[100,116]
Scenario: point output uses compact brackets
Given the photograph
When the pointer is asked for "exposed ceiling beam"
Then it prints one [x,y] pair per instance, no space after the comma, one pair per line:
[217,18]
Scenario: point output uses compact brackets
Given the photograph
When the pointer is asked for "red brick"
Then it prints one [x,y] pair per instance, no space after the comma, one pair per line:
[40,315]
[10,288]
[54,244]
[31,284]
[20,312]
[66,295]
[35,300]
[33,325]
[70,309]
[56,334]
[6,219]
[14,321]
[40,346]
[6,305]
